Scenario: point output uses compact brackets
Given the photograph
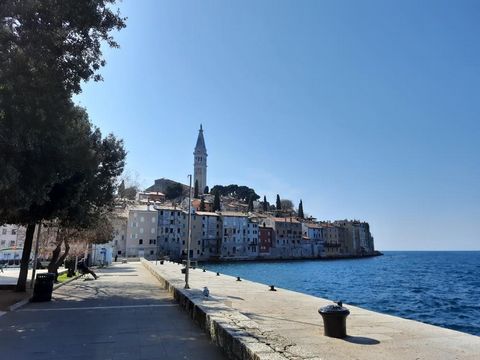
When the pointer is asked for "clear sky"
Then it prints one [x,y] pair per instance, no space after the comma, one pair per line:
[363,109]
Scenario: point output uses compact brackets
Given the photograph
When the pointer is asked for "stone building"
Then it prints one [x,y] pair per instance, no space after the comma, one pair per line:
[206,235]
[288,237]
[266,237]
[142,227]
[172,231]
[312,239]
[200,163]
[239,236]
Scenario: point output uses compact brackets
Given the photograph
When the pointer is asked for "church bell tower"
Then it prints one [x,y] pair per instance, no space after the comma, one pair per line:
[200,163]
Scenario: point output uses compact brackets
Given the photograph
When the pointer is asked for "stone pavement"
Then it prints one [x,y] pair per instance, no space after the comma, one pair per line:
[122,315]
[288,325]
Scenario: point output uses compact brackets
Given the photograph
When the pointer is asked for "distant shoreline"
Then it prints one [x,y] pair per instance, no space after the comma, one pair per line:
[268,259]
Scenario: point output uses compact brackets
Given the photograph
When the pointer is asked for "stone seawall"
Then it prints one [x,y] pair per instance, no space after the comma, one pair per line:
[248,321]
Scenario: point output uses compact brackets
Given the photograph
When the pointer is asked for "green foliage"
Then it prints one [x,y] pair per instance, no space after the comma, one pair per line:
[300,210]
[195,190]
[54,163]
[265,203]
[56,42]
[216,201]
[206,190]
[243,193]
[202,204]
[173,191]
[131,192]
[121,189]
[250,204]
[278,203]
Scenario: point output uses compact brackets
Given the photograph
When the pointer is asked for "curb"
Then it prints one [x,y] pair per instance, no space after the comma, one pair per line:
[239,337]
[24,302]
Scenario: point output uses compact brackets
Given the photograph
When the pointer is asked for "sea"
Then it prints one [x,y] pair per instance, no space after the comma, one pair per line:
[435,287]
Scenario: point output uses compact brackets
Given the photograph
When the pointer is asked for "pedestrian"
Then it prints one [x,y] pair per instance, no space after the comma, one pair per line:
[116,257]
[82,266]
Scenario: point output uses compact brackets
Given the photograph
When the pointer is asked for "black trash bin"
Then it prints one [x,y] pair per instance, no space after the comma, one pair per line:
[42,291]
[334,320]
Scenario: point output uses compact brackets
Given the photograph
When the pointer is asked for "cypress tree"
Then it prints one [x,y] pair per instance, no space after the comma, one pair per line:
[300,210]
[250,204]
[279,203]
[195,190]
[216,201]
[121,190]
[202,204]
[206,190]
[265,203]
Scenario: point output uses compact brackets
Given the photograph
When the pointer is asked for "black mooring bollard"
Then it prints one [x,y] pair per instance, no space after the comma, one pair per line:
[218,274]
[272,288]
[335,320]
[238,278]
[204,270]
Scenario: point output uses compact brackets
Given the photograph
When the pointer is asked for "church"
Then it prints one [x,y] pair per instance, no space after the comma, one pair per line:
[200,163]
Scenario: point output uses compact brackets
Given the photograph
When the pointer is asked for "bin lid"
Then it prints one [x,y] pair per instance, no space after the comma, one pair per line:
[46,276]
[334,309]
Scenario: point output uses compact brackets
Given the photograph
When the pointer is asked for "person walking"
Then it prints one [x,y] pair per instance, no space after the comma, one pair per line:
[82,266]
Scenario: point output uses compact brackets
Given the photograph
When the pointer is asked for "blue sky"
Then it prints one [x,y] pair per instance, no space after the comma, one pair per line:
[363,109]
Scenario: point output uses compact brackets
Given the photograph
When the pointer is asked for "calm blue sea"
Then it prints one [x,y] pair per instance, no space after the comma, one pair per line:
[439,288]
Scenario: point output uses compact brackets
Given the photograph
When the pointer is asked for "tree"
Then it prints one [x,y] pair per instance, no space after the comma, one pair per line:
[206,190]
[130,192]
[216,202]
[195,190]
[121,190]
[265,203]
[287,205]
[202,204]
[46,50]
[173,191]
[300,210]
[278,203]
[239,192]
[250,204]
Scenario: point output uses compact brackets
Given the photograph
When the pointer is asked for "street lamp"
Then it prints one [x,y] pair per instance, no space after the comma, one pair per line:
[187,270]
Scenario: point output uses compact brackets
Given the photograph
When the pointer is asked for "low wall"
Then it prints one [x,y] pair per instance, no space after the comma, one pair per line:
[238,336]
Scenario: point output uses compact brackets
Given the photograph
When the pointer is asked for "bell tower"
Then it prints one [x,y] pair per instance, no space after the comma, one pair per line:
[200,162]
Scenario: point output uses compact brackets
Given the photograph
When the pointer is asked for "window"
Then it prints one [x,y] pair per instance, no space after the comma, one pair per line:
[119,252]
[151,252]
[3,242]
[14,231]
[140,242]
[142,219]
[4,231]
[141,230]
[152,231]
[153,219]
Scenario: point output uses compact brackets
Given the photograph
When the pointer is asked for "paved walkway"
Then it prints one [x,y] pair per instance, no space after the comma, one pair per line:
[289,322]
[122,315]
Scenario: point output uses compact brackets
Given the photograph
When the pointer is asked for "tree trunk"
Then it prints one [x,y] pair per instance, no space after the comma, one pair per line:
[62,258]
[52,265]
[27,249]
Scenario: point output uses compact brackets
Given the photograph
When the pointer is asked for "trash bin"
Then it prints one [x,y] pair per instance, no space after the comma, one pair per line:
[184,270]
[42,291]
[334,320]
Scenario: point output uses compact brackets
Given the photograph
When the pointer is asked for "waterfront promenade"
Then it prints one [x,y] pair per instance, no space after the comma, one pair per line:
[122,315]
[249,321]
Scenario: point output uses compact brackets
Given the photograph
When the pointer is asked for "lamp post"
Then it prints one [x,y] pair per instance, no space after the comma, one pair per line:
[187,270]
